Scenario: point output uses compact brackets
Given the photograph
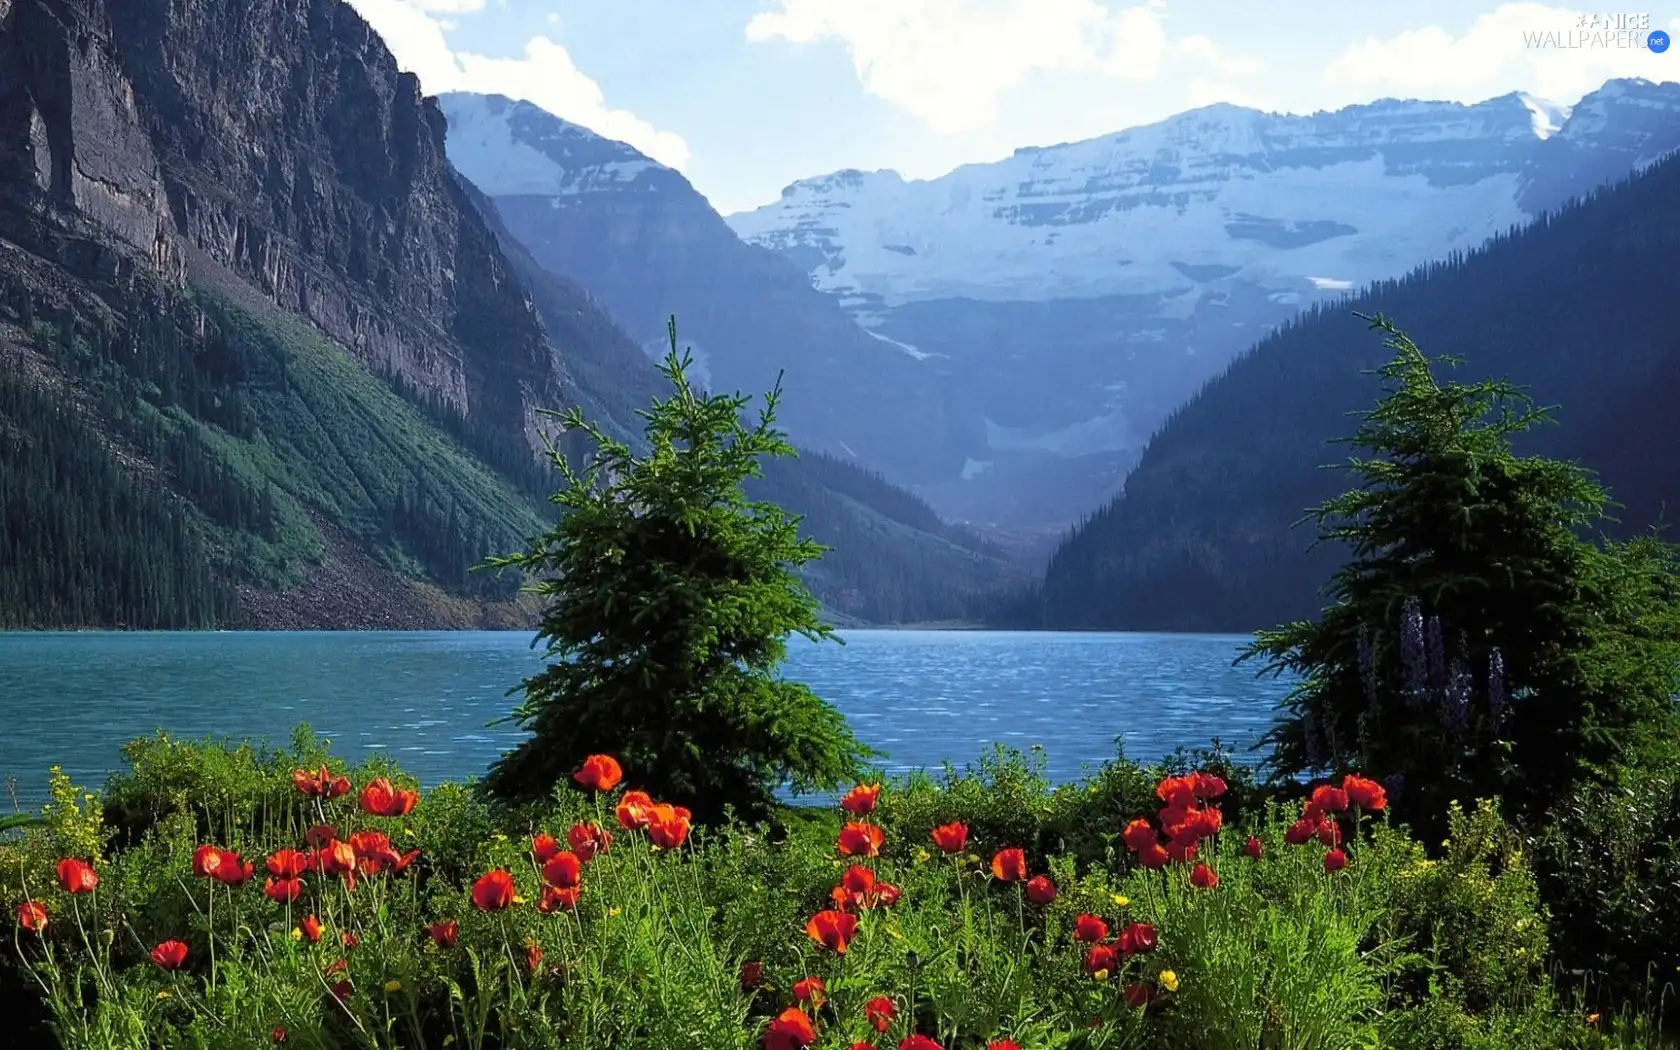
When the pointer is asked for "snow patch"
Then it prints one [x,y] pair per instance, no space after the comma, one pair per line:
[920,355]
[1330,284]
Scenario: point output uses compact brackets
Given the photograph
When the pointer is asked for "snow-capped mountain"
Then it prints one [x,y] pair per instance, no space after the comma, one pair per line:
[639,237]
[1076,294]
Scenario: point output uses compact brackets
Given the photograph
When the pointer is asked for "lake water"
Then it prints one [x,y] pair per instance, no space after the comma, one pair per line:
[922,697]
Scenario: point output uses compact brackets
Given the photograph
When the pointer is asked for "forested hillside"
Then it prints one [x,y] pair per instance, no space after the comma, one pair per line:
[1577,307]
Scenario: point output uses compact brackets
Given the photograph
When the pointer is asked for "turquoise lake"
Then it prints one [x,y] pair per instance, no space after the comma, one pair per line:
[922,697]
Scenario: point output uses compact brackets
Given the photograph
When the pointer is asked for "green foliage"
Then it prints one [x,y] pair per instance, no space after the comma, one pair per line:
[1490,543]
[1395,951]
[670,597]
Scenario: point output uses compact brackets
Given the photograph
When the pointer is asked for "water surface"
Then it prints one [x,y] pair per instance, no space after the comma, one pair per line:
[922,697]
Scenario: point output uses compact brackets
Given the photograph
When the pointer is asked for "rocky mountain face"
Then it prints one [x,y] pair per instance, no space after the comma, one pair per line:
[1071,297]
[643,240]
[277,142]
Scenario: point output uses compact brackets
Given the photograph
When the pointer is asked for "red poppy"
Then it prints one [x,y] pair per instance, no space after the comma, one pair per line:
[493,891]
[599,773]
[1335,861]
[233,871]
[809,989]
[791,1030]
[282,891]
[559,899]
[1206,821]
[207,861]
[76,877]
[380,799]
[1176,791]
[1138,937]
[341,990]
[444,934]
[633,809]
[1203,877]
[668,826]
[278,1035]
[1137,995]
[170,955]
[919,1042]
[886,894]
[857,888]
[832,929]
[1153,855]
[1330,799]
[879,1012]
[287,863]
[587,840]
[533,956]
[1253,848]
[1089,928]
[1102,957]
[374,846]
[563,870]
[861,1044]
[1003,1044]
[1009,865]
[1329,833]
[543,847]
[752,974]
[860,801]
[400,864]
[1368,795]
[1180,850]
[32,916]
[320,783]
[1206,785]
[860,840]
[950,838]
[310,927]
[1301,832]
[1040,890]
[337,858]
[1138,836]
[320,835]
[349,940]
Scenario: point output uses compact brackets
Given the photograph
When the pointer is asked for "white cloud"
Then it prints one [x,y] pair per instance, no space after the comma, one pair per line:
[1499,52]
[545,75]
[947,62]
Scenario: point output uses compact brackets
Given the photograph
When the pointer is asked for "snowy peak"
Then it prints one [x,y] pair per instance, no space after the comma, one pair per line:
[1631,106]
[512,148]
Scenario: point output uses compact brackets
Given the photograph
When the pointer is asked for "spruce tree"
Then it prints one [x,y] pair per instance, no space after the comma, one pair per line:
[1478,642]
[669,600]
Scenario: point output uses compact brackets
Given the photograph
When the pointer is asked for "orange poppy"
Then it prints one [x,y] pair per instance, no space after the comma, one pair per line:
[599,773]
[832,929]
[950,838]
[493,891]
[860,801]
[860,840]
[1009,865]
[32,916]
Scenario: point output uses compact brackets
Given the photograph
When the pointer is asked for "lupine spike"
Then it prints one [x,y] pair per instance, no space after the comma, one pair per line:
[1412,655]
[1496,688]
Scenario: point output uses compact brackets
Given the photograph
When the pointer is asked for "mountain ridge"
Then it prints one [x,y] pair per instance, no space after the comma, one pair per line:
[1072,295]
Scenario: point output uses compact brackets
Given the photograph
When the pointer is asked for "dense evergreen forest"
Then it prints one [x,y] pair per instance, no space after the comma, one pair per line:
[155,459]
[1577,307]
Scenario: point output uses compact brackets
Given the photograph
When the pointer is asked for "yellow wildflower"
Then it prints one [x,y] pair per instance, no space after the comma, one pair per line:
[615,910]
[1120,900]
[165,995]
[1101,975]
[393,986]
[297,934]
[1169,980]
[921,856]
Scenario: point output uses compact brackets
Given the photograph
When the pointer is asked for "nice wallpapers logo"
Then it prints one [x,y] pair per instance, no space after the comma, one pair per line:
[1610,30]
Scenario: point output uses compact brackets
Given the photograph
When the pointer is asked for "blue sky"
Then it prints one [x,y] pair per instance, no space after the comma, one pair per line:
[745,96]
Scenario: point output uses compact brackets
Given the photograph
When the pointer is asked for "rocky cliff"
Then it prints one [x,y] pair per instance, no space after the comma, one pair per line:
[278,141]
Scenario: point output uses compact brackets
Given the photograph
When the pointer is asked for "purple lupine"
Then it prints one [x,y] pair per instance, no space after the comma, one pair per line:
[1496,688]
[1455,699]
[1312,754]
[1438,680]
[1393,784]
[1367,664]
[1411,648]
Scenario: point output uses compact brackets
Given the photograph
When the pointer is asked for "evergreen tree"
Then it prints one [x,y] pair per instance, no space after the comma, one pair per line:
[1478,643]
[670,597]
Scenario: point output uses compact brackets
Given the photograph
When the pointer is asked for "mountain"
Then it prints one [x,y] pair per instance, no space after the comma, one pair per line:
[266,360]
[1576,307]
[640,237]
[1074,295]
